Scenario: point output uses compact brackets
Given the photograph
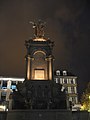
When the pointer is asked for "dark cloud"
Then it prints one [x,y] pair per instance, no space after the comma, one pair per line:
[67,23]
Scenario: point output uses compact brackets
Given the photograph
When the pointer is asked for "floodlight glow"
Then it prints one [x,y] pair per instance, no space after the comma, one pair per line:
[88,110]
[39,74]
[39,39]
[89,97]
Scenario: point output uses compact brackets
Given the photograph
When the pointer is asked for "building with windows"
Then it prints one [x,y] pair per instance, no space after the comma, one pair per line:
[67,80]
[69,84]
[8,83]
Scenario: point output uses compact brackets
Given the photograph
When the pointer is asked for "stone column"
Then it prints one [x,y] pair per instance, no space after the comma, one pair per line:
[50,69]
[28,67]
[47,72]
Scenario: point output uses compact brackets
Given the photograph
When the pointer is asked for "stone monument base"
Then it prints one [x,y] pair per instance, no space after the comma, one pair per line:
[54,114]
[39,115]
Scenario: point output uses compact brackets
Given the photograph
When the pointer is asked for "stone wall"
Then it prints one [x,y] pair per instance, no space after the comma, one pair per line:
[3,115]
[78,115]
[44,115]
[39,115]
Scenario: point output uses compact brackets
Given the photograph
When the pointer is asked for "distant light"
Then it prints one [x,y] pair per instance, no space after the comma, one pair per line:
[89,97]
[89,110]
[82,107]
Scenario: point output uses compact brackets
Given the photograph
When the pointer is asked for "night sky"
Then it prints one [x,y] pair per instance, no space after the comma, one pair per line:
[67,23]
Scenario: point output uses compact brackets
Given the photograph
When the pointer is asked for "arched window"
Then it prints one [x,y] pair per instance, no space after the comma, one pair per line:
[58,72]
[64,72]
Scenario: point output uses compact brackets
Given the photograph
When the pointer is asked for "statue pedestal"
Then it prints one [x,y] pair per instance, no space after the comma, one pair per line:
[39,115]
[39,95]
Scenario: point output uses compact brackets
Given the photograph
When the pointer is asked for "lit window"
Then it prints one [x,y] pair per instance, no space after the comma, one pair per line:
[4,85]
[74,100]
[58,72]
[72,90]
[64,72]
[69,89]
[70,81]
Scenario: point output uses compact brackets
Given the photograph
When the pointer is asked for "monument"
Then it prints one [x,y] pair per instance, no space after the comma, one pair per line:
[39,97]
[39,91]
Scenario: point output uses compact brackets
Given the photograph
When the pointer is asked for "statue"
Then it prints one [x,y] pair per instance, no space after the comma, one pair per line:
[38,29]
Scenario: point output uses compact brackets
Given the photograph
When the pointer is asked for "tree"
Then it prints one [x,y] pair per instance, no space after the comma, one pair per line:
[85,99]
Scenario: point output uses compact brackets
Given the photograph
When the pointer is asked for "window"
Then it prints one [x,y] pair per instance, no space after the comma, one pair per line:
[71,81]
[65,81]
[4,85]
[72,90]
[74,100]
[64,72]
[13,86]
[13,82]
[58,72]
[69,89]
[66,89]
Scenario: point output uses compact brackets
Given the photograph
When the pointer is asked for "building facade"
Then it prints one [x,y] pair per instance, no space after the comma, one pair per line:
[9,82]
[69,84]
